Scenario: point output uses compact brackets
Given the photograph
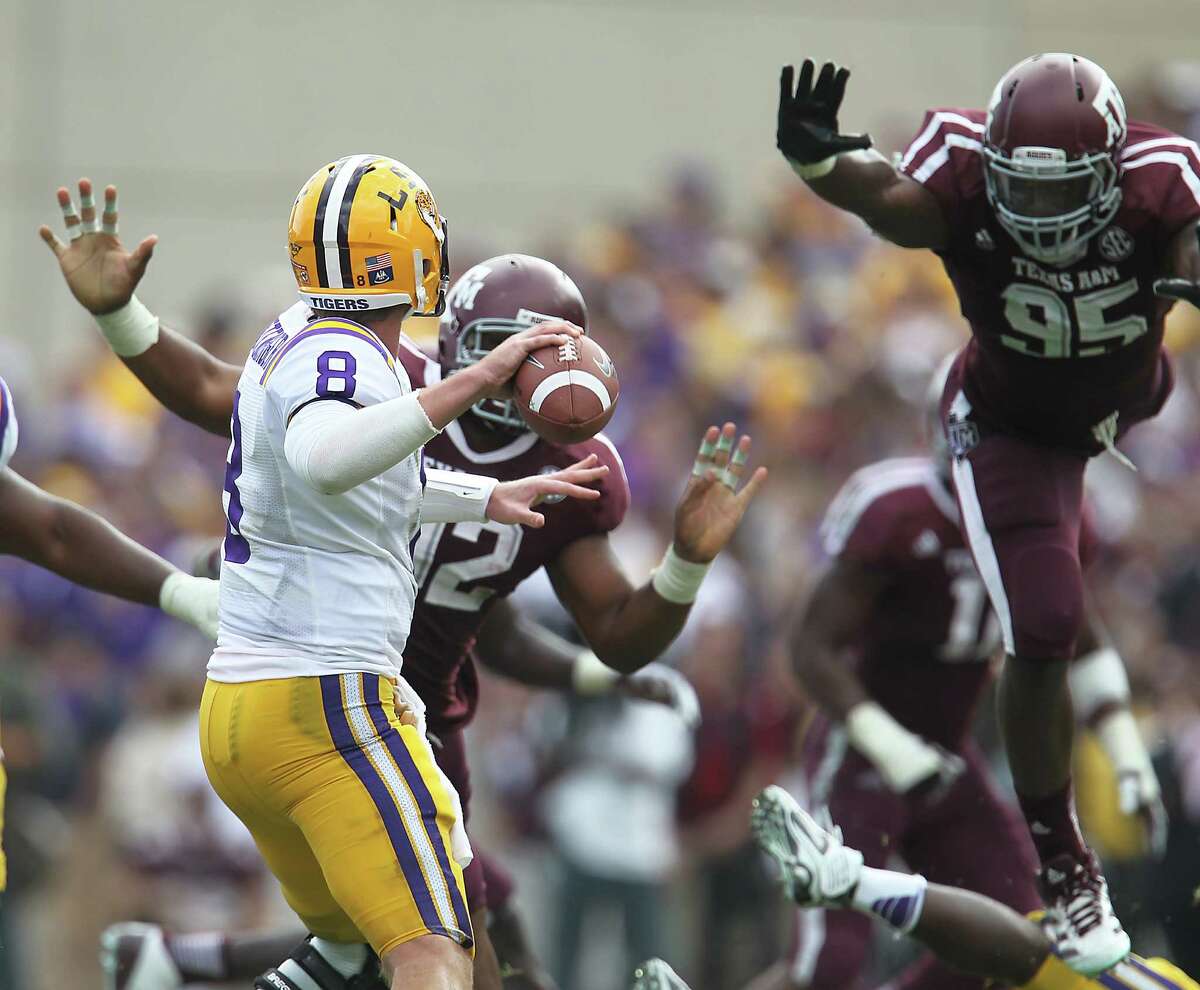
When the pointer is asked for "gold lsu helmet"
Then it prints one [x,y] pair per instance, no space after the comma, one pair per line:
[365,233]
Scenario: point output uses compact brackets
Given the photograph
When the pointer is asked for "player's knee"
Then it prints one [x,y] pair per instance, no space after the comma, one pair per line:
[1047,603]
[308,966]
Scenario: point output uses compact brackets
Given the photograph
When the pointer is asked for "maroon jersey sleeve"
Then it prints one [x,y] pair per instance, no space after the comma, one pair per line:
[1169,169]
[414,361]
[866,522]
[944,157]
[604,514]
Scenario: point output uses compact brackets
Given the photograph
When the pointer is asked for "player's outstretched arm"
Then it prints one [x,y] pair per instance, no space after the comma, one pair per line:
[842,168]
[629,626]
[838,606]
[527,652]
[1100,697]
[82,547]
[102,276]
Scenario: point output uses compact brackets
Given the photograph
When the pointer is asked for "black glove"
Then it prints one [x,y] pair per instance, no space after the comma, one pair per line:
[808,127]
[1179,288]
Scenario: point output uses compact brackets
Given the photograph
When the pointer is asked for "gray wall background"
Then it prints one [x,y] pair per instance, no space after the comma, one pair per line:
[520,114]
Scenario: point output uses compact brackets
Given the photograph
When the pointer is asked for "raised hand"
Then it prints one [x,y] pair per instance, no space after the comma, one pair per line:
[99,271]
[807,131]
[512,501]
[663,685]
[711,507]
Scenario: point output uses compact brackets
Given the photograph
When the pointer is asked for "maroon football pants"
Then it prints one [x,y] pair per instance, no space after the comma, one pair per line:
[487,882]
[1021,506]
[970,838]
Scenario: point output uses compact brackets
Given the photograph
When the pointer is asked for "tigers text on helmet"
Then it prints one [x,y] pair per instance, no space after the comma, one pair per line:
[495,299]
[365,233]
[1051,146]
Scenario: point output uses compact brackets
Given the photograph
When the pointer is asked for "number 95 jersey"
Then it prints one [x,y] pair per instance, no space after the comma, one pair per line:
[313,584]
[1056,350]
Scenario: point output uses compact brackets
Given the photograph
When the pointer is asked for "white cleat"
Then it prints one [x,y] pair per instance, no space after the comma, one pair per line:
[654,974]
[817,868]
[134,956]
[1087,934]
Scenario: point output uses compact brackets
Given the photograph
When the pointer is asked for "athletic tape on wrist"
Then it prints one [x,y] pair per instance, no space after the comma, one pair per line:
[901,757]
[813,170]
[130,330]
[678,580]
[590,676]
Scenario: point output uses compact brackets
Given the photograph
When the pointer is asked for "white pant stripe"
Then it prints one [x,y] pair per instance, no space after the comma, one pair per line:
[982,549]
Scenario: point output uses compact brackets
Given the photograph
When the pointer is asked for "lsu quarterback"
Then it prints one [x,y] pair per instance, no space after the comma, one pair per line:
[308,731]
[625,624]
[80,546]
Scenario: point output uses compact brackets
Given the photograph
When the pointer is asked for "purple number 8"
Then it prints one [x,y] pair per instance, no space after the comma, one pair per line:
[335,375]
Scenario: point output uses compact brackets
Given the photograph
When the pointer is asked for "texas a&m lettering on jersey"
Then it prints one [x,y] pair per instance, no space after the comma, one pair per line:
[1056,349]
[463,568]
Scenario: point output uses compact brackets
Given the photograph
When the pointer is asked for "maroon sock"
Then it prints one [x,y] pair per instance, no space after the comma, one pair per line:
[1053,825]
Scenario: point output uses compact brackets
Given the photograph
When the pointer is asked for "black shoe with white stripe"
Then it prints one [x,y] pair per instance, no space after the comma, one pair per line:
[307,969]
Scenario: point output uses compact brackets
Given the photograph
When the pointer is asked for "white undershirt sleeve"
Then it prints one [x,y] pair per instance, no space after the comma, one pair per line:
[451,496]
[334,447]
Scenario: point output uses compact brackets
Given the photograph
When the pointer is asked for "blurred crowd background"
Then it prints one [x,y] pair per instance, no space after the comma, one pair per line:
[718,299]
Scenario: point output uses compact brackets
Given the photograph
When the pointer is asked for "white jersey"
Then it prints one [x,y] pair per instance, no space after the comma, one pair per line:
[8,425]
[313,584]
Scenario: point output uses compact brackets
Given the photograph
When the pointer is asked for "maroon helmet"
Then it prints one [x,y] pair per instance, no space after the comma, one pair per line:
[1055,129]
[492,301]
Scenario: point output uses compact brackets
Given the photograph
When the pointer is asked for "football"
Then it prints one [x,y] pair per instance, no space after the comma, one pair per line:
[567,393]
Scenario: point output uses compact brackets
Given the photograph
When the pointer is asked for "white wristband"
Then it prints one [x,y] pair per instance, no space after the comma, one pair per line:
[901,757]
[1122,742]
[678,580]
[195,600]
[451,496]
[1097,680]
[130,330]
[591,676]
[813,170]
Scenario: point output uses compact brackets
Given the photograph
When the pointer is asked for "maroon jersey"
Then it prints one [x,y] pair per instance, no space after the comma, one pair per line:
[1056,350]
[462,568]
[924,648]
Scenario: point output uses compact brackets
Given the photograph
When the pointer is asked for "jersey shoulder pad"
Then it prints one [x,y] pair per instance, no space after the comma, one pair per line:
[1160,173]
[8,425]
[420,367]
[331,358]
[868,518]
[605,513]
[946,155]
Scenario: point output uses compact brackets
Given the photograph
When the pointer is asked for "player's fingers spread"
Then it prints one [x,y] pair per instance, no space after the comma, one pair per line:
[786,82]
[569,489]
[724,445]
[70,217]
[142,254]
[806,74]
[824,80]
[52,242]
[737,464]
[87,206]
[746,495]
[839,84]
[108,219]
[534,520]
[579,476]
[704,456]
